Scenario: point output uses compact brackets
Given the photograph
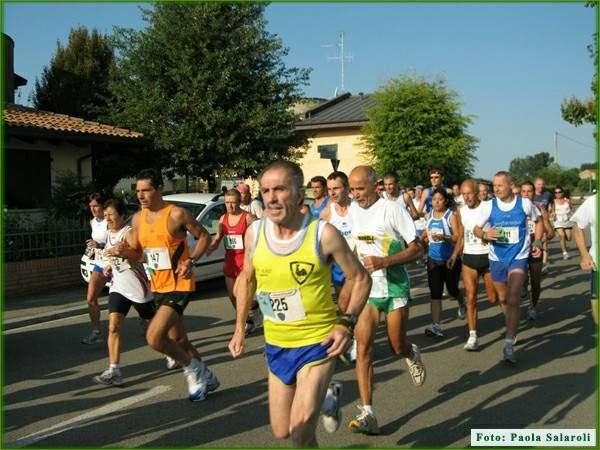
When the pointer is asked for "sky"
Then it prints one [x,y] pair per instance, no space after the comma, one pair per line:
[511,64]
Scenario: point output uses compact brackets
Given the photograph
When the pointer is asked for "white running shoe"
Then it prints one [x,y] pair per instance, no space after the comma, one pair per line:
[472,344]
[565,255]
[93,338]
[109,377]
[212,382]
[434,330]
[331,414]
[531,314]
[172,364]
[461,313]
[508,354]
[197,387]
[416,367]
[365,423]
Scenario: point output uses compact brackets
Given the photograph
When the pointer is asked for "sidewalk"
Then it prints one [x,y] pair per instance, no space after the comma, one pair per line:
[20,311]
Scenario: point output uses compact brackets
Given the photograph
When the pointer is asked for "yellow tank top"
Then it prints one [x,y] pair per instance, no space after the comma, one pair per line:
[159,246]
[294,291]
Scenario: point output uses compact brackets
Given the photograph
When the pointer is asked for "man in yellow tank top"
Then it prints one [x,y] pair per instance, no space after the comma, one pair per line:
[160,231]
[287,264]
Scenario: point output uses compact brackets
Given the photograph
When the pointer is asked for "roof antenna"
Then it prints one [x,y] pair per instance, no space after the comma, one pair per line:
[342,58]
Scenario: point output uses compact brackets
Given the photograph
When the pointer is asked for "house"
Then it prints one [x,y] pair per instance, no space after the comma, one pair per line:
[334,134]
[39,146]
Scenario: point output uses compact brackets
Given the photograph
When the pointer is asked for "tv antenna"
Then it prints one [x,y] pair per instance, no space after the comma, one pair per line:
[342,58]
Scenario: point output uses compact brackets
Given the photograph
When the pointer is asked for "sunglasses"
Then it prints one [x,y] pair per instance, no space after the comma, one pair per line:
[558,192]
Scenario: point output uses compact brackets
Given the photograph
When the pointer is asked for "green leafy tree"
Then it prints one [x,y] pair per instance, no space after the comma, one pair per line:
[557,175]
[529,167]
[207,83]
[76,80]
[416,125]
[580,111]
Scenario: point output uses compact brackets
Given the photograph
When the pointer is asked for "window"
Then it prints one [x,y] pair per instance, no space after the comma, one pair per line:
[210,221]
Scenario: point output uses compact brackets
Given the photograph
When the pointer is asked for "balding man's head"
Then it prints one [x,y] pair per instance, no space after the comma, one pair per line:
[470,193]
[363,185]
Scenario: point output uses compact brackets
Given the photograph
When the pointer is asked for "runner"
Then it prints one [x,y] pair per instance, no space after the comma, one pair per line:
[475,260]
[248,204]
[285,263]
[535,263]
[543,200]
[318,186]
[160,230]
[232,226]
[585,217]
[484,191]
[444,232]
[380,230]
[420,222]
[459,201]
[129,287]
[561,216]
[509,249]
[436,176]
[97,278]
[380,188]
[392,192]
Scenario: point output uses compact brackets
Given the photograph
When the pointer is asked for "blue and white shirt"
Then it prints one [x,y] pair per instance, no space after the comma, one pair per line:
[439,250]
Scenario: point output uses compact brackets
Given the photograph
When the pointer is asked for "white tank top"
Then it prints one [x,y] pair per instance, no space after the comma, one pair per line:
[562,211]
[99,230]
[470,217]
[342,223]
[128,279]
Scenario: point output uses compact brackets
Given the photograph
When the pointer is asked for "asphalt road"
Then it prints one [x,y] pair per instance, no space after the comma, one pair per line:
[51,401]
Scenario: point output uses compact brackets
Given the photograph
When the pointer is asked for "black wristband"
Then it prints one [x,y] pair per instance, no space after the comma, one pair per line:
[348,321]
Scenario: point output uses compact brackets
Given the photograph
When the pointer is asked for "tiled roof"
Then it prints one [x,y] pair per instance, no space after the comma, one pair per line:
[22,116]
[344,109]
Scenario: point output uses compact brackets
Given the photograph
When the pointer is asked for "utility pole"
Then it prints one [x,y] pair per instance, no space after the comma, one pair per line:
[556,147]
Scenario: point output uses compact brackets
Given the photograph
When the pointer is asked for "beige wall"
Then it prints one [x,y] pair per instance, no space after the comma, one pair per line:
[349,152]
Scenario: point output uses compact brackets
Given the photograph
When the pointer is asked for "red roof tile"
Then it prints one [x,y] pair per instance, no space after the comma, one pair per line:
[22,116]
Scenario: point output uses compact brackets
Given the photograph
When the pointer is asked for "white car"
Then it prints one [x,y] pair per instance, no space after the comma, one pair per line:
[207,209]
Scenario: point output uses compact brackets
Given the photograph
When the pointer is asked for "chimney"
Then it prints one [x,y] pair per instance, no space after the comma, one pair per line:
[11,80]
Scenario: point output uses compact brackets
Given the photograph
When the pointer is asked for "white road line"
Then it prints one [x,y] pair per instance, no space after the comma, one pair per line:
[83,419]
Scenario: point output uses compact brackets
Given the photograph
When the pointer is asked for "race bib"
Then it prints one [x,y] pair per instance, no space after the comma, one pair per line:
[120,264]
[99,258]
[471,239]
[234,242]
[562,217]
[158,258]
[530,227]
[508,235]
[282,307]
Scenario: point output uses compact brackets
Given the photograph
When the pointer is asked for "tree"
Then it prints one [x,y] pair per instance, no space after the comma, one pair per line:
[577,111]
[76,80]
[416,125]
[208,84]
[529,167]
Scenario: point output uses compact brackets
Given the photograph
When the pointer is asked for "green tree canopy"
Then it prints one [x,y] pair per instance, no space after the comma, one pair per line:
[76,80]
[579,111]
[529,167]
[416,125]
[207,83]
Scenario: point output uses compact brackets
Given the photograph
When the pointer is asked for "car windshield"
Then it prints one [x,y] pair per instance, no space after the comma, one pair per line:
[194,208]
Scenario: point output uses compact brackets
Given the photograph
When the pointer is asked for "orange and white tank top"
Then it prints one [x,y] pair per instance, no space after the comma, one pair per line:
[160,251]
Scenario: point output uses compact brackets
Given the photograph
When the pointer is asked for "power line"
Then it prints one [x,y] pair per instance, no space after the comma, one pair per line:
[575,141]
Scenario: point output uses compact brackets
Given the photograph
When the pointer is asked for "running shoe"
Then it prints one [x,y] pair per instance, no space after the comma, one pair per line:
[364,422]
[565,255]
[416,367]
[256,317]
[93,338]
[472,344]
[545,268]
[172,364]
[212,382]
[352,351]
[197,387]
[434,330]
[531,314]
[461,312]
[508,354]
[331,414]
[109,378]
